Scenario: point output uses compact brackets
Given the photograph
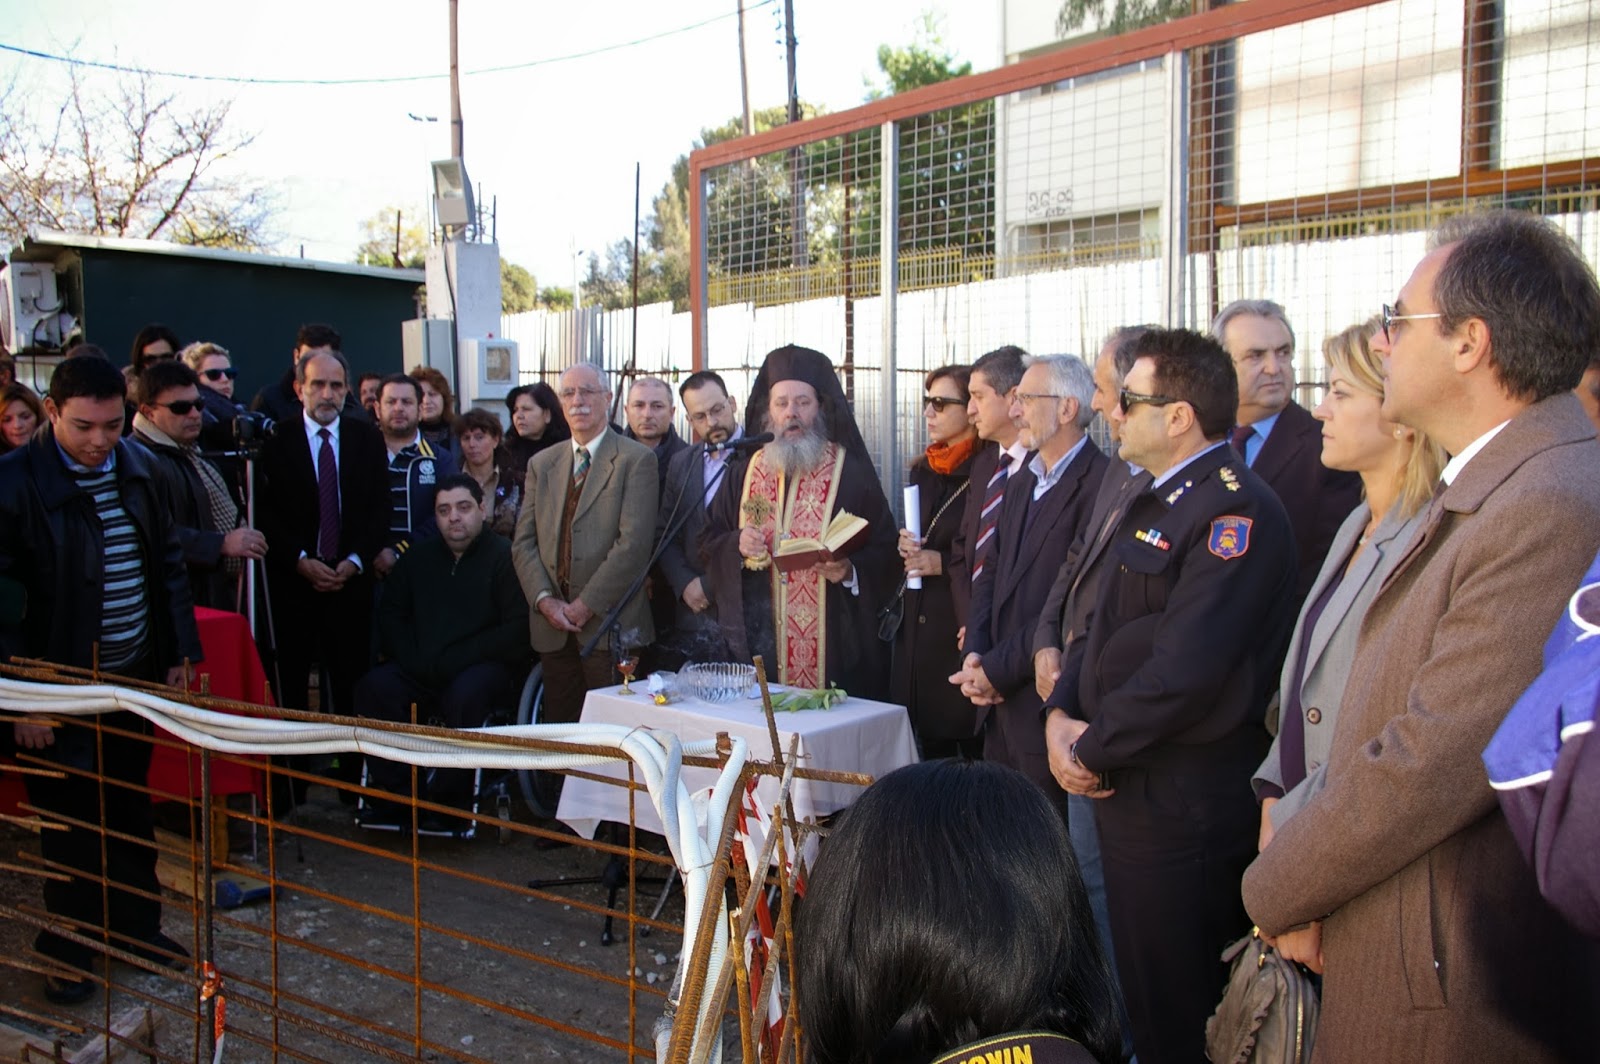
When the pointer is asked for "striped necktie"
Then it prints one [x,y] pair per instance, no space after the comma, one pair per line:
[580,468]
[327,498]
[989,516]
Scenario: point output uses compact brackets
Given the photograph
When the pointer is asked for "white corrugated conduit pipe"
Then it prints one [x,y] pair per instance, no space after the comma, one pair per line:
[657,755]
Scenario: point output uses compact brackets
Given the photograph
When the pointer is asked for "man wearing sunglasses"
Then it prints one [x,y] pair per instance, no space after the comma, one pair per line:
[1158,717]
[206,512]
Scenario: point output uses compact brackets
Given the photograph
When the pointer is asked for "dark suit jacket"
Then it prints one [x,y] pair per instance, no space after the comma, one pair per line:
[1318,498]
[286,501]
[695,634]
[1007,598]
[984,460]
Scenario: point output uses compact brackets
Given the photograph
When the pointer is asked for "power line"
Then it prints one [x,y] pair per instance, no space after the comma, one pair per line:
[402,79]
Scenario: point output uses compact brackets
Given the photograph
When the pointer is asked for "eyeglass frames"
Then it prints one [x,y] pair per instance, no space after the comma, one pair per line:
[941,403]
[1390,317]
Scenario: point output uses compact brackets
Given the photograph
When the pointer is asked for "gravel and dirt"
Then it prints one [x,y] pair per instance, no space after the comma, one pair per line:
[384,953]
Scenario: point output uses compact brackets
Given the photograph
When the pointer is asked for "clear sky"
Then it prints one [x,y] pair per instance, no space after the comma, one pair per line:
[554,142]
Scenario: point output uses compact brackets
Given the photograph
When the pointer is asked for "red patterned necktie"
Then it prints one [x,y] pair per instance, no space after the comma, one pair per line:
[990,515]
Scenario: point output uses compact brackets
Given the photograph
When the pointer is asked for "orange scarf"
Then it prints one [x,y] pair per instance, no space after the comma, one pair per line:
[946,458]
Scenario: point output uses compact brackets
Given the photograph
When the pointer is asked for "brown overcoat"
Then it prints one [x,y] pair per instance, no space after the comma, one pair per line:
[1437,944]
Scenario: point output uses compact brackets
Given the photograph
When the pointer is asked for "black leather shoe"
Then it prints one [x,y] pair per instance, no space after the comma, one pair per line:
[159,949]
[68,991]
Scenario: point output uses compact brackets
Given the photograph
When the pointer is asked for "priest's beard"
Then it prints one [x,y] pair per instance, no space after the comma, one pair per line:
[797,457]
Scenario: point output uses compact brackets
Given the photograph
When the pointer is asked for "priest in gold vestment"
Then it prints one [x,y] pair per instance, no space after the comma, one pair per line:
[818,625]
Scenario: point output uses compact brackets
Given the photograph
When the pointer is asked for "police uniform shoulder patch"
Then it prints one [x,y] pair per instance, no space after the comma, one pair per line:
[1230,537]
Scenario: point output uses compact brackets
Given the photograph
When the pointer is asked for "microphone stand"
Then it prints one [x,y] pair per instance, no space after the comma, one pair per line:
[248,455]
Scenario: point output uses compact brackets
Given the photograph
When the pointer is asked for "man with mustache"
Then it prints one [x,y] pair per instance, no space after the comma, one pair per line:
[323,503]
[693,476]
[815,626]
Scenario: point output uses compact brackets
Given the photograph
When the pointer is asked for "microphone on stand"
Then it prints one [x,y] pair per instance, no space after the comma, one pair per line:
[747,443]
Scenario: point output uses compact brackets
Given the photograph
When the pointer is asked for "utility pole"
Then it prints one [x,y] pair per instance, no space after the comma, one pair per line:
[457,136]
[744,75]
[797,190]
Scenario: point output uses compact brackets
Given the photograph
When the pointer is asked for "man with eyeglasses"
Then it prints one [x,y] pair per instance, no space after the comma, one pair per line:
[693,476]
[585,532]
[205,510]
[1041,514]
[1437,945]
[1159,719]
[1277,437]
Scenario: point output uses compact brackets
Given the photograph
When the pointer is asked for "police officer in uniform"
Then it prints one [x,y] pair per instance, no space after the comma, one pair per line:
[1159,718]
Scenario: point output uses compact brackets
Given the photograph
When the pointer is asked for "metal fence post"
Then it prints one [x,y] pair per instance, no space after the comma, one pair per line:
[889,289]
[1174,189]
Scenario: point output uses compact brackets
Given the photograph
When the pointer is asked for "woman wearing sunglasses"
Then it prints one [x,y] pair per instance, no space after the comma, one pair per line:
[214,366]
[941,716]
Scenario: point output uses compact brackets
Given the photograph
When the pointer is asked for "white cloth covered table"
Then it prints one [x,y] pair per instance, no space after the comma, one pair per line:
[855,736]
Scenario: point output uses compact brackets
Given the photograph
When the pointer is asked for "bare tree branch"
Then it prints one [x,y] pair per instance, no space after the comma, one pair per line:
[130,162]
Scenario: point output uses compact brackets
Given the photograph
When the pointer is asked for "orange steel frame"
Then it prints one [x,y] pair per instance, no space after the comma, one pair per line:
[1208,27]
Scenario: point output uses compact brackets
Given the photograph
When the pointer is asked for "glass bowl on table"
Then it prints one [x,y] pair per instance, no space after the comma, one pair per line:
[719,682]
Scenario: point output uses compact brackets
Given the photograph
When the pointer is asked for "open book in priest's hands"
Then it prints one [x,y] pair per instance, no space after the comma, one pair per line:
[845,535]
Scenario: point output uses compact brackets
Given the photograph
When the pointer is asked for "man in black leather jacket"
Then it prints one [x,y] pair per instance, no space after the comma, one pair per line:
[91,572]
[204,507]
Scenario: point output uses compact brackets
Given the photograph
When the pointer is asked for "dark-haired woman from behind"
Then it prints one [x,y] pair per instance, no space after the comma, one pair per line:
[926,651]
[946,920]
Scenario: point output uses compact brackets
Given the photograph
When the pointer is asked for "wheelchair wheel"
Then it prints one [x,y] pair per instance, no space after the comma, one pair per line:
[540,790]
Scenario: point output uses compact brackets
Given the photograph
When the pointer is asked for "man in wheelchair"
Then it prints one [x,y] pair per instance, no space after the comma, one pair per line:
[453,640]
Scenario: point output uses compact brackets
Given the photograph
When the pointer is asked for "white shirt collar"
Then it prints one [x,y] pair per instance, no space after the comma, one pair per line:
[591,445]
[1454,467]
[1018,453]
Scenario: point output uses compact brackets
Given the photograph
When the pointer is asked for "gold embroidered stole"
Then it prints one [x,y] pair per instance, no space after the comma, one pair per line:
[800,508]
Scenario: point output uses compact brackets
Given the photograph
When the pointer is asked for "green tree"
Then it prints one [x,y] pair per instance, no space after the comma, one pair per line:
[555,298]
[946,177]
[1124,15]
[518,289]
[925,61]
[381,246]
